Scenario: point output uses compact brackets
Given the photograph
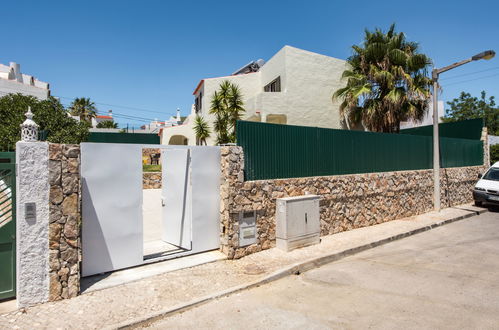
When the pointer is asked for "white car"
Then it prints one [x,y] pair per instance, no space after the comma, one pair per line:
[487,188]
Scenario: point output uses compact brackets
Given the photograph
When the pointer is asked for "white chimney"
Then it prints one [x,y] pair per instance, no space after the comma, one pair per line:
[17,71]
[178,115]
[110,113]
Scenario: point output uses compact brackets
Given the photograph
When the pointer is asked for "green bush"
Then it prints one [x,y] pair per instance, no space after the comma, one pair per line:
[494,154]
[54,123]
[151,168]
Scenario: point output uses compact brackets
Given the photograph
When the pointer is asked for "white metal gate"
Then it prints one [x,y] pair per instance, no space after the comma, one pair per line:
[112,224]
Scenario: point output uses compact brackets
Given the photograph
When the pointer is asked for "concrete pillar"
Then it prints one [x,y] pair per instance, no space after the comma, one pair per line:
[32,225]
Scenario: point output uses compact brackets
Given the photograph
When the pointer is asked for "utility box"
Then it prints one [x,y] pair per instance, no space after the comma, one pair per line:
[247,228]
[297,222]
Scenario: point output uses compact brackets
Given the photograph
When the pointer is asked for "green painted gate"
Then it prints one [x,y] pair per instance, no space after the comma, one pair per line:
[7,225]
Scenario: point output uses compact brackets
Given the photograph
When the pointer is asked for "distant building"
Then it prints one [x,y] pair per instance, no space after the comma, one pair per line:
[12,81]
[428,117]
[294,87]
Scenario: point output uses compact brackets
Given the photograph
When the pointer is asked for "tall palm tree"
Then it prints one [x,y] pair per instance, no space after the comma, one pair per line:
[227,106]
[83,108]
[202,130]
[387,82]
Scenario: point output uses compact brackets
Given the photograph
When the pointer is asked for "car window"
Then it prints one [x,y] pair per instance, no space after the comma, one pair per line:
[492,174]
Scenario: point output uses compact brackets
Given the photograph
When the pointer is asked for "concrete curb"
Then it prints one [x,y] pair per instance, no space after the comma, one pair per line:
[290,270]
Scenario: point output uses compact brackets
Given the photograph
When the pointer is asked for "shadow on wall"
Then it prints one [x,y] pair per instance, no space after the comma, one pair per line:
[96,237]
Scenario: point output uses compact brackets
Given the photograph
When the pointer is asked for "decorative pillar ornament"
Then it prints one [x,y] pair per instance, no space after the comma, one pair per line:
[29,129]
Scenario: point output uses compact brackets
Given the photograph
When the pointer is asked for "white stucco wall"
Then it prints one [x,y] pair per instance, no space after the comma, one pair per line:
[32,235]
[14,87]
[311,80]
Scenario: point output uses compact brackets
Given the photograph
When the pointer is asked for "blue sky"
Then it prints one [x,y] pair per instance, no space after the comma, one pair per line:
[150,55]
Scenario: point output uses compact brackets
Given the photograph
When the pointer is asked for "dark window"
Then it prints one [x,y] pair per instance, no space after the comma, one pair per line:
[198,102]
[273,86]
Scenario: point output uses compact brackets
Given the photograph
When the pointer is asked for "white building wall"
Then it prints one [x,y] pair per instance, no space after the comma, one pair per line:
[14,87]
[428,117]
[308,81]
[12,81]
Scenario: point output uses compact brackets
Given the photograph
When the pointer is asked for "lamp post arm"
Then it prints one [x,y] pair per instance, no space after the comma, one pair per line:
[449,67]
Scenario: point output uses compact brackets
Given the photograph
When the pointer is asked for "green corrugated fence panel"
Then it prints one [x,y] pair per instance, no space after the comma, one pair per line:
[466,129]
[282,151]
[139,138]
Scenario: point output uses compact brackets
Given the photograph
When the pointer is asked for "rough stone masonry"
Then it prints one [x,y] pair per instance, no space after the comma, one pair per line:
[64,227]
[348,201]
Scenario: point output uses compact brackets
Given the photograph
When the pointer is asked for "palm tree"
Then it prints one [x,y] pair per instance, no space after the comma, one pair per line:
[387,82]
[201,129]
[83,108]
[227,106]
[107,124]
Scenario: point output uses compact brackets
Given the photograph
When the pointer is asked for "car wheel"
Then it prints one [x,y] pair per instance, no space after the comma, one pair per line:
[477,203]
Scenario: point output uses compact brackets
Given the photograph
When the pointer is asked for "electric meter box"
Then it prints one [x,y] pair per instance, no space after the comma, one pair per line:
[297,222]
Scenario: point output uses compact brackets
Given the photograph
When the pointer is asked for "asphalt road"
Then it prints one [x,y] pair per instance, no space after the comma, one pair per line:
[446,278]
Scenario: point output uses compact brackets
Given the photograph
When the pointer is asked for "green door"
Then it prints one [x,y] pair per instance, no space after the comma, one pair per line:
[7,225]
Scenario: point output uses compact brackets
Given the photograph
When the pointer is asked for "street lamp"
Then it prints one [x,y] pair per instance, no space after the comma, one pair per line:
[486,55]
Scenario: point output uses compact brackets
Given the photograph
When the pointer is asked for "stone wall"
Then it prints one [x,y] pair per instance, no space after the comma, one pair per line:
[348,201]
[65,220]
[151,180]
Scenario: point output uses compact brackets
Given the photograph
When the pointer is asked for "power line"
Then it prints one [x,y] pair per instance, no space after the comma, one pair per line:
[465,81]
[101,103]
[470,73]
[120,106]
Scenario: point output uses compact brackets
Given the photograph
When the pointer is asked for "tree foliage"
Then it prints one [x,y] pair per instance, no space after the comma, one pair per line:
[202,130]
[49,114]
[227,106]
[387,82]
[107,124]
[84,108]
[470,107]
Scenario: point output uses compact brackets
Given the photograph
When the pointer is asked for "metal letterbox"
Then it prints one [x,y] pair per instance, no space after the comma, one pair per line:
[247,228]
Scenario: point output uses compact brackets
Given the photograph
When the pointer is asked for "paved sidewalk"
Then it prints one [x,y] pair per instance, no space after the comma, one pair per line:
[157,295]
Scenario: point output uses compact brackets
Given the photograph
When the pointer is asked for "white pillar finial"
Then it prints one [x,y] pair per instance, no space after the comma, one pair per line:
[29,129]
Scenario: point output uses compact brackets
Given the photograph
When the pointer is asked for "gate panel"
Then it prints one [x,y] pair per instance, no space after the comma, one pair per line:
[205,172]
[7,225]
[112,230]
[176,215]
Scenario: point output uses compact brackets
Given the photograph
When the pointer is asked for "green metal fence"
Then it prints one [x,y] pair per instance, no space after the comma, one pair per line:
[465,129]
[274,151]
[140,138]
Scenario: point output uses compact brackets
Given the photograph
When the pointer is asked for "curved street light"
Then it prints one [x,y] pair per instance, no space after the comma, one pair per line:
[486,55]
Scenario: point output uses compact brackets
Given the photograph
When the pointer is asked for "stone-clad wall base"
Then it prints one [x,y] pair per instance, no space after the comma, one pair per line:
[348,201]
[151,180]
[64,228]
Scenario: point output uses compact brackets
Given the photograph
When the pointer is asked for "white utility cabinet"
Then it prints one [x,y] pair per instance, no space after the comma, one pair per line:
[297,222]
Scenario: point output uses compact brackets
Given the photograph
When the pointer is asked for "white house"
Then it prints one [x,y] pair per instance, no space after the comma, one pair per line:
[12,81]
[294,87]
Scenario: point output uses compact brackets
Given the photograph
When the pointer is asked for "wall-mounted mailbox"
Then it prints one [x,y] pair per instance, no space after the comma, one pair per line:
[30,212]
[247,228]
[297,222]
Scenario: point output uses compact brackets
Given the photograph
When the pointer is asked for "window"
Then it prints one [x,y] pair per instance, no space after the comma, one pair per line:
[273,86]
[199,102]
[492,174]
